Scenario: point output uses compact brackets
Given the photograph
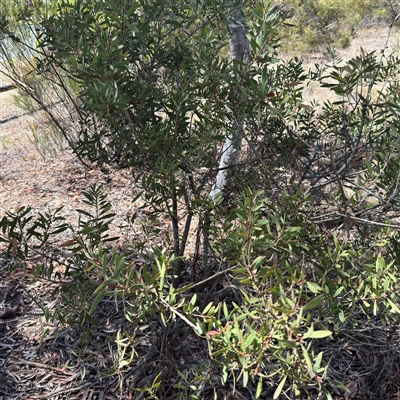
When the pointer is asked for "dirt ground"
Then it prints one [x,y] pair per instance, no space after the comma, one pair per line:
[35,363]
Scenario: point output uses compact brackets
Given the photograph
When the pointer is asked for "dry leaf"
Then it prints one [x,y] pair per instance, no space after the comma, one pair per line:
[68,243]
[14,244]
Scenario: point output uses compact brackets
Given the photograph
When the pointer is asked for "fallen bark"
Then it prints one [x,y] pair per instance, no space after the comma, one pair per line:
[6,87]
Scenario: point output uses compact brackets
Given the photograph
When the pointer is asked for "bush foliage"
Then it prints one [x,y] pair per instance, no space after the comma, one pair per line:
[321,22]
[302,246]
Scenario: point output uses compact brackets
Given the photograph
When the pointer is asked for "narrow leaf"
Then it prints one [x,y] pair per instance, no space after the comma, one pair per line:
[316,334]
[279,388]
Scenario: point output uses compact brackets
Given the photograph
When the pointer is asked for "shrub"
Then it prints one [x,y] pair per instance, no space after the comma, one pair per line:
[295,250]
[313,23]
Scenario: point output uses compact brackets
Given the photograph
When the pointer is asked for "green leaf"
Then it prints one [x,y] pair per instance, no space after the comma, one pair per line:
[162,268]
[207,308]
[380,263]
[338,385]
[119,264]
[73,61]
[193,299]
[258,261]
[317,334]
[96,301]
[259,387]
[46,314]
[245,377]
[317,361]
[308,362]
[279,388]
[314,288]
[314,302]
[394,307]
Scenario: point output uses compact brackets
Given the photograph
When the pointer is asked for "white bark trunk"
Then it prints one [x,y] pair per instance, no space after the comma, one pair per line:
[239,47]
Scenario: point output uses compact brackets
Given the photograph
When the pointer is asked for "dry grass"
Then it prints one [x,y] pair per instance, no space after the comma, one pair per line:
[375,39]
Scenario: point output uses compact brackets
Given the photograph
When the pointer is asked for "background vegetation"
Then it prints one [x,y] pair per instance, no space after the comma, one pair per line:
[299,250]
[316,23]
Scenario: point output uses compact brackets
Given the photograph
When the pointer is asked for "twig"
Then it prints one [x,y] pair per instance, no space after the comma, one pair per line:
[40,365]
[182,317]
[212,277]
[68,390]
[365,221]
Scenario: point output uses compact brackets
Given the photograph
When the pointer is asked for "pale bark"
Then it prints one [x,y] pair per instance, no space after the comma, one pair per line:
[239,47]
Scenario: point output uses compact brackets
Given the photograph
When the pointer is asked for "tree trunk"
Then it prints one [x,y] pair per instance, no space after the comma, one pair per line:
[239,47]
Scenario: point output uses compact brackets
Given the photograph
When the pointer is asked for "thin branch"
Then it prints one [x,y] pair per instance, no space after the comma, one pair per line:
[182,317]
